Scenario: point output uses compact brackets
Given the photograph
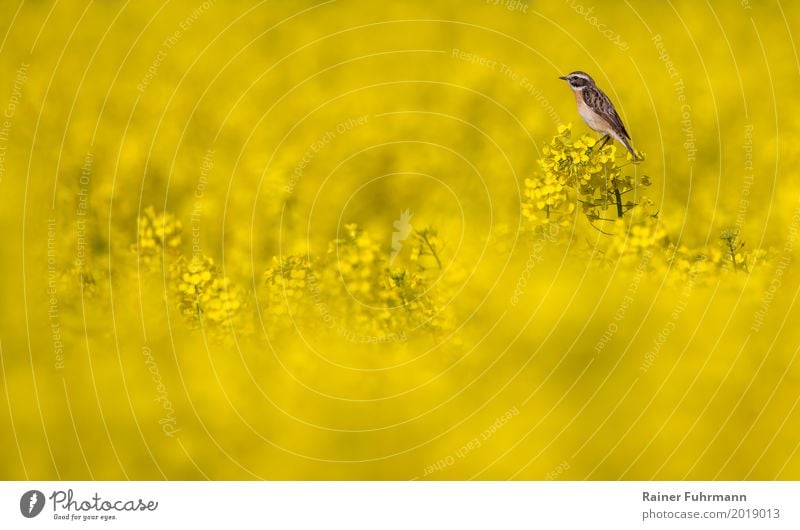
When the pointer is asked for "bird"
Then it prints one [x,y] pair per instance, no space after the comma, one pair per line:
[597,110]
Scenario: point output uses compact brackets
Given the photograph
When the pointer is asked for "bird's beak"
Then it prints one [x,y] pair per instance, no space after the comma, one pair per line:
[562,77]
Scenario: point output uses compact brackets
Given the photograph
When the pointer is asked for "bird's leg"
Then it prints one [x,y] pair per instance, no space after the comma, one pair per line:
[604,140]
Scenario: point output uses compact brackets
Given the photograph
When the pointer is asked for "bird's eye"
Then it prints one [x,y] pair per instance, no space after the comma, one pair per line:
[577,82]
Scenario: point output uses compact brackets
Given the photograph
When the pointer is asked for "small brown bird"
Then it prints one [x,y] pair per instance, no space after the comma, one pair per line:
[597,110]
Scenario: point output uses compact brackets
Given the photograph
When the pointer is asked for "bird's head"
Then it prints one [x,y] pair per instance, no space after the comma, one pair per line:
[578,80]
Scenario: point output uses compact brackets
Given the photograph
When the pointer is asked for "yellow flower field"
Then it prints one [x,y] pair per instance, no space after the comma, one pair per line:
[375,240]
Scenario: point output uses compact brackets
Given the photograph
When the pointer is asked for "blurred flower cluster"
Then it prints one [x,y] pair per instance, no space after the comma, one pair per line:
[356,290]
[204,295]
[286,283]
[158,233]
[354,281]
[384,298]
[729,256]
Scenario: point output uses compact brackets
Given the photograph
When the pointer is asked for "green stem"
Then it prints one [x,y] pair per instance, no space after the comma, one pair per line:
[618,196]
[433,251]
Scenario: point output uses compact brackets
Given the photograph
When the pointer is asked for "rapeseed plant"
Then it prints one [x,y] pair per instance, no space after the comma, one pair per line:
[204,296]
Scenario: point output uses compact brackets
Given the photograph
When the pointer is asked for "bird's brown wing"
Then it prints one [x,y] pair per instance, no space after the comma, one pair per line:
[597,100]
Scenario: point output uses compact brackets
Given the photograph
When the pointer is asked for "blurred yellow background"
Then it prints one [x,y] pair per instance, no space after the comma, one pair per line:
[303,131]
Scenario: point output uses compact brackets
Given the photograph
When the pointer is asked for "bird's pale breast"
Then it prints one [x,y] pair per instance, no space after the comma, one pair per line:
[592,119]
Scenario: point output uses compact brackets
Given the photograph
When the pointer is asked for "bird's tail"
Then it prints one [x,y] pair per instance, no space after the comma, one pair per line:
[626,142]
